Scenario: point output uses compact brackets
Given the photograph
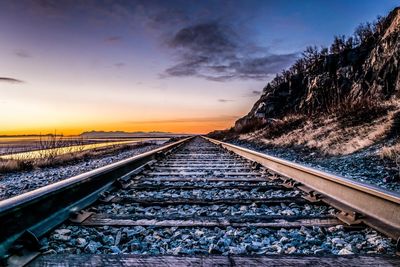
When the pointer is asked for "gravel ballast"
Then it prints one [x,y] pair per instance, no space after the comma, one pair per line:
[201,240]
[209,194]
[364,166]
[291,209]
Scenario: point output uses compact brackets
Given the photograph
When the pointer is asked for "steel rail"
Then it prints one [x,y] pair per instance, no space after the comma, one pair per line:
[26,217]
[377,207]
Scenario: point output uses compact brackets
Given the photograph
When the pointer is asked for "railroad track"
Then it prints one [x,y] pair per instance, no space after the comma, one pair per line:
[209,202]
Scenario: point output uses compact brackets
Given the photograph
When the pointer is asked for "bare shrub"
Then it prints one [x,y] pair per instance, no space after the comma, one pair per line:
[9,165]
[352,113]
[287,124]
[250,126]
[49,146]
[343,132]
[20,164]
[392,154]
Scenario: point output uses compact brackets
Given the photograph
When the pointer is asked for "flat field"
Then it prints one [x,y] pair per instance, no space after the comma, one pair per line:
[40,146]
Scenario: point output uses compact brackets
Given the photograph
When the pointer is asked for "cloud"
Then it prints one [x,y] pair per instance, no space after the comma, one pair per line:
[215,51]
[204,42]
[224,100]
[119,64]
[113,39]
[22,53]
[252,93]
[10,80]
[209,37]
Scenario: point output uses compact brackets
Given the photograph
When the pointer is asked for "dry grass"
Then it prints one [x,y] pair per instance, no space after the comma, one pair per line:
[390,152]
[54,159]
[335,134]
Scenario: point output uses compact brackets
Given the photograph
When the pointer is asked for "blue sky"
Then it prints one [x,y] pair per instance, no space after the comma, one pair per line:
[188,66]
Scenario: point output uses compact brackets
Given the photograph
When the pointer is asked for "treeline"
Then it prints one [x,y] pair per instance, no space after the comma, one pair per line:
[364,36]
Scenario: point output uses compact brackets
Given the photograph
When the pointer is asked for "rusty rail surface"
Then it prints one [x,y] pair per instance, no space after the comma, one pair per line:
[26,217]
[358,202]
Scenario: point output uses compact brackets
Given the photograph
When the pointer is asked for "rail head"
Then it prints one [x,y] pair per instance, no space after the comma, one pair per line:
[42,209]
[370,200]
[372,189]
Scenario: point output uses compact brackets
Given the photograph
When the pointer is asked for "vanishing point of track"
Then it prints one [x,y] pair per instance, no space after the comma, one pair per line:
[196,183]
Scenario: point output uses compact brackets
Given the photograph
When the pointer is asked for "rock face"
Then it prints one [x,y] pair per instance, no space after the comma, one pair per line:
[367,72]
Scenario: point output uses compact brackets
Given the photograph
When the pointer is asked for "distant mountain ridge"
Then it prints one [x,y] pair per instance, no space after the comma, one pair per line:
[361,70]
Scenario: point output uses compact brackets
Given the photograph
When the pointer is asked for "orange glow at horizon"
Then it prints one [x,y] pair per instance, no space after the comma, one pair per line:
[194,126]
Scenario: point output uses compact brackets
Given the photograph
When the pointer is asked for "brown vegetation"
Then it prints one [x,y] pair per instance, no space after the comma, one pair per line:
[342,132]
[391,152]
[56,159]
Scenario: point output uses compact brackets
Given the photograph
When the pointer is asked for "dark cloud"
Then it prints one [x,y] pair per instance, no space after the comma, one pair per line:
[165,16]
[215,51]
[113,39]
[252,93]
[22,53]
[209,37]
[119,64]
[10,80]
[205,43]
[224,100]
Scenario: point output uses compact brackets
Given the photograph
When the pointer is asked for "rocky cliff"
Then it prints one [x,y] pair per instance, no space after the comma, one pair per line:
[360,70]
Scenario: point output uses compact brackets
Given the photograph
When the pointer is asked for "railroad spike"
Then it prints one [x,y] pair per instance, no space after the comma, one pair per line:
[350,218]
[80,216]
[256,166]
[313,196]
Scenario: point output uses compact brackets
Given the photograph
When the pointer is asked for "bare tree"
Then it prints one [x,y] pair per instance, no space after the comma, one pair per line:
[324,51]
[350,43]
[311,54]
[298,67]
[338,44]
[363,32]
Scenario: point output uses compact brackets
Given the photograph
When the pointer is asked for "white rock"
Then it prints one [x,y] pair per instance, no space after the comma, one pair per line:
[61,237]
[291,250]
[63,231]
[81,242]
[344,251]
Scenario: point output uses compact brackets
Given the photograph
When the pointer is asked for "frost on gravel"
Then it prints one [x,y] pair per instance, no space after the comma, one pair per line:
[204,183]
[225,241]
[291,209]
[209,194]
[13,184]
[363,166]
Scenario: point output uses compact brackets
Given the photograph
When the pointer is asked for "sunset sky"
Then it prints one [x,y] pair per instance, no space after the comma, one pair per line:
[178,66]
